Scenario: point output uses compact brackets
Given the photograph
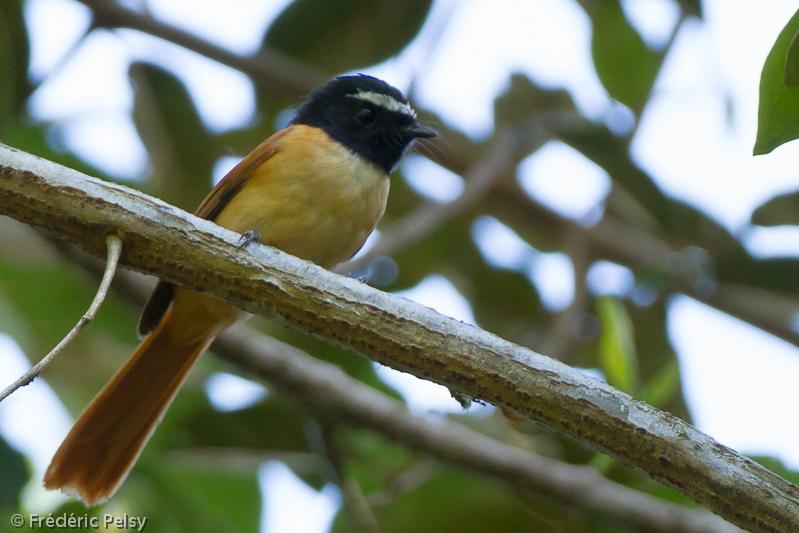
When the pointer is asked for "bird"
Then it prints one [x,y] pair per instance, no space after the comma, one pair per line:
[315,189]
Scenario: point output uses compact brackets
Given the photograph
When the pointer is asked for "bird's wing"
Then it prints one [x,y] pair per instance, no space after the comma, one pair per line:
[210,207]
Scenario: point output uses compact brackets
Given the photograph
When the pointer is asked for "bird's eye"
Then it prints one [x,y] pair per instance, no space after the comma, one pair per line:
[365,115]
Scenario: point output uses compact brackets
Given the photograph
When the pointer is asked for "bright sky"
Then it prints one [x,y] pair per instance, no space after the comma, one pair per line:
[739,381]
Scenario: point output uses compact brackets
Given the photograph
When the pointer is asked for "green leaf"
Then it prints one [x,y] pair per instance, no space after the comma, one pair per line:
[616,346]
[775,273]
[14,57]
[77,509]
[183,497]
[454,501]
[657,361]
[791,73]
[182,152]
[342,35]
[778,115]
[15,474]
[625,65]
[663,386]
[780,210]
[194,424]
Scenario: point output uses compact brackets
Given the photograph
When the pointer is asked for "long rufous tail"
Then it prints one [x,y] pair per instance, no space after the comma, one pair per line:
[110,434]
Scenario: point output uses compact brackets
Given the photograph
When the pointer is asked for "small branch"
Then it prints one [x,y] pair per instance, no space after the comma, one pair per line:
[180,248]
[628,245]
[357,506]
[114,247]
[404,482]
[562,334]
[277,72]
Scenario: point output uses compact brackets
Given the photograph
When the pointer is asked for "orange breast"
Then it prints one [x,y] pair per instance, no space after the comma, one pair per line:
[313,198]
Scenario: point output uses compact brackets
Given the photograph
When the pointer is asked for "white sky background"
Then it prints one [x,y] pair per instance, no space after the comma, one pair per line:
[739,382]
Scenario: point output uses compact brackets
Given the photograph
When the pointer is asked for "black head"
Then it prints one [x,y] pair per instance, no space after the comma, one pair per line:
[365,114]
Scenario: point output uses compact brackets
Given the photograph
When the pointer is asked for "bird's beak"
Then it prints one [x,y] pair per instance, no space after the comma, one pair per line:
[417,131]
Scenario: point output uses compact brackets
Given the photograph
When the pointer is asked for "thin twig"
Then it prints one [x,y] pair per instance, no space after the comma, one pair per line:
[404,482]
[279,72]
[114,244]
[563,331]
[355,503]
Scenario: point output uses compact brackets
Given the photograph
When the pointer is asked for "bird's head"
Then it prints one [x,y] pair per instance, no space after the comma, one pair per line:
[367,115]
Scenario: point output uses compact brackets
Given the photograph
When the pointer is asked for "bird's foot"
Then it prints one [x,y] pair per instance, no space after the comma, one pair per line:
[249,237]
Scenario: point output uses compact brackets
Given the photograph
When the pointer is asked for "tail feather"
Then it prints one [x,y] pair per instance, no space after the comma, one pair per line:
[110,434]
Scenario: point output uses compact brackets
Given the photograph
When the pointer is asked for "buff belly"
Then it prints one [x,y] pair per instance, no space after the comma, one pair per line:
[314,199]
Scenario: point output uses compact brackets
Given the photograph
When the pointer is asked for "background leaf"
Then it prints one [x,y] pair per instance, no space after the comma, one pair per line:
[181,151]
[14,57]
[780,210]
[616,345]
[663,386]
[623,62]
[341,35]
[791,73]
[778,114]
[16,473]
[453,501]
[195,498]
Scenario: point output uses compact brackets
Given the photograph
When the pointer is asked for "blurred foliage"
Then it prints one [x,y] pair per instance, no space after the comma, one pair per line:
[342,35]
[778,118]
[623,62]
[617,355]
[15,475]
[199,471]
[454,501]
[14,59]
[780,210]
[182,153]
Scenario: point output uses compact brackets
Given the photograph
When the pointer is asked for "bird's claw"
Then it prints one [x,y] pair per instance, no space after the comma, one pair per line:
[249,237]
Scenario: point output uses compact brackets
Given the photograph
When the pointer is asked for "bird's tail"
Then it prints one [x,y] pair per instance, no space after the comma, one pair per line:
[110,434]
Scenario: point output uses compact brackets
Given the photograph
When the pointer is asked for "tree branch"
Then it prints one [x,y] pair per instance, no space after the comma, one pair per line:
[114,245]
[330,390]
[339,397]
[628,245]
[163,240]
[281,74]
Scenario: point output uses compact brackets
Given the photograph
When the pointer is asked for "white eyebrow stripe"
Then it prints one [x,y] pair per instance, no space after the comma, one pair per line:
[385,101]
